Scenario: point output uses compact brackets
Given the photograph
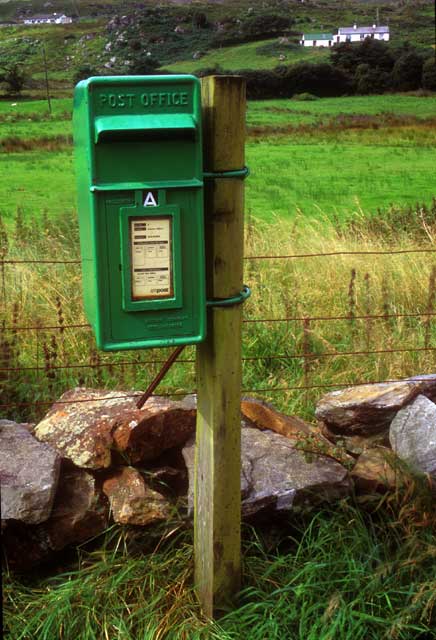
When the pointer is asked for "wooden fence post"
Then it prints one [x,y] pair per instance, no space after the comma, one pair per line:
[217,515]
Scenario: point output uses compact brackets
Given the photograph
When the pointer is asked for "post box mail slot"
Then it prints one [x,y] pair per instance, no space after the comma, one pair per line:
[138,154]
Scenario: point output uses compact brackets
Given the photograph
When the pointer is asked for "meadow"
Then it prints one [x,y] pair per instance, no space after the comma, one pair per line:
[333,156]
[340,176]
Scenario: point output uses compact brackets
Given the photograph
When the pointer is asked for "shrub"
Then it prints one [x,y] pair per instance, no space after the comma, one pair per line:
[374,53]
[368,80]
[407,71]
[264,25]
[83,72]
[14,78]
[429,74]
[320,79]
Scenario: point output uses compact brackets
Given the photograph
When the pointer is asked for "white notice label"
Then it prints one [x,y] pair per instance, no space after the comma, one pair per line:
[150,240]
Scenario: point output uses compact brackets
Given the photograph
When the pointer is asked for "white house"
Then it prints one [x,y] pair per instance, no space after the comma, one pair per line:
[46,18]
[358,34]
[317,40]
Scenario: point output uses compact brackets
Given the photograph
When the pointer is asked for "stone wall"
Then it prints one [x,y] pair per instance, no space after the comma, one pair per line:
[95,459]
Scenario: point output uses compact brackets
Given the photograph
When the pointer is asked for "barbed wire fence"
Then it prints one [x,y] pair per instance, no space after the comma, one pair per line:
[39,386]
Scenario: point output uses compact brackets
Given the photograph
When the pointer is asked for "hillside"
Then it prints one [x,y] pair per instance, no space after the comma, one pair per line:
[109,36]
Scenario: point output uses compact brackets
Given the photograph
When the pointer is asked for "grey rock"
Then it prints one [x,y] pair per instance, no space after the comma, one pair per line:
[412,435]
[276,475]
[29,472]
[79,513]
[426,385]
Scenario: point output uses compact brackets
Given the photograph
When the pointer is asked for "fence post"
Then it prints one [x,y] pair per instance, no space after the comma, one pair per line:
[217,515]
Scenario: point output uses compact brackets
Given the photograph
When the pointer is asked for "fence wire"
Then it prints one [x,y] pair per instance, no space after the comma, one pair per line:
[308,355]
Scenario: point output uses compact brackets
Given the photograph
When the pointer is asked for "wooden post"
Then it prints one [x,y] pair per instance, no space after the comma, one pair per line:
[217,515]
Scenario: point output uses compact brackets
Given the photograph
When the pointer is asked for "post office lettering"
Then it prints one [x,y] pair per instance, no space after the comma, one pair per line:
[165,99]
[117,100]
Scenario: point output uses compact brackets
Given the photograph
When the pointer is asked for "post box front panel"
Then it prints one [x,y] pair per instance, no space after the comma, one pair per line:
[152,316]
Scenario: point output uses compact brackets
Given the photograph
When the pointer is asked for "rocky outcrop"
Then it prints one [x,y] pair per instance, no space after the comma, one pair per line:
[276,475]
[413,435]
[29,472]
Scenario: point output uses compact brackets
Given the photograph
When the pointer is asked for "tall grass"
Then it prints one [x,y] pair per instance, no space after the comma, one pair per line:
[352,571]
[288,340]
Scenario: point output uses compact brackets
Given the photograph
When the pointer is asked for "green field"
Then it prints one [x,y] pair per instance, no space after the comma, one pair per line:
[329,156]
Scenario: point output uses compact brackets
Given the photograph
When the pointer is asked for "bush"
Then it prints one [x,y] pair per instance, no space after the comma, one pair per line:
[14,78]
[429,74]
[263,84]
[374,53]
[83,72]
[368,80]
[407,71]
[320,79]
[264,25]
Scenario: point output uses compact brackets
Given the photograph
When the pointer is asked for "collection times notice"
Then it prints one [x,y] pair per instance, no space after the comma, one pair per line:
[151,258]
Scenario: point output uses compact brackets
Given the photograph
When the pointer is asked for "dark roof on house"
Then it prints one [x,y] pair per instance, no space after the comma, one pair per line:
[362,30]
[318,36]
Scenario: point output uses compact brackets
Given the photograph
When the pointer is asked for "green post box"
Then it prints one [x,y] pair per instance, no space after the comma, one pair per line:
[139,171]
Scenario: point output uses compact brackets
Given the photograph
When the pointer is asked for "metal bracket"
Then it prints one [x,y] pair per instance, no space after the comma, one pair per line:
[231,302]
[240,174]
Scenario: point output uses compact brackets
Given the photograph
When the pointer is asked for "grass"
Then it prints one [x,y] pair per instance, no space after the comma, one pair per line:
[249,56]
[332,575]
[336,155]
[283,352]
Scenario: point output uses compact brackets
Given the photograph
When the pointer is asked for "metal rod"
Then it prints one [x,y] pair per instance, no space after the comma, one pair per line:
[162,373]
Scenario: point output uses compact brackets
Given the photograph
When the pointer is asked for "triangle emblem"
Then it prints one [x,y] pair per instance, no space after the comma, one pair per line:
[150,200]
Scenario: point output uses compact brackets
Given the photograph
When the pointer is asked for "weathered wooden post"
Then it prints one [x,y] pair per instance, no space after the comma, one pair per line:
[217,517]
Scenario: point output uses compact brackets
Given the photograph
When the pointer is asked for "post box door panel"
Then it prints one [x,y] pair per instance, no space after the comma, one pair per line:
[156,317]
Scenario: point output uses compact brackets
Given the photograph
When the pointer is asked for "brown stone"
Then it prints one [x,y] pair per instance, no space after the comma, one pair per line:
[79,425]
[160,425]
[264,416]
[86,424]
[78,512]
[426,385]
[365,409]
[132,501]
[375,470]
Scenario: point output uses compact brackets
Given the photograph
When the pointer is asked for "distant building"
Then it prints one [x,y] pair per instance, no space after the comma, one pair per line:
[345,34]
[357,34]
[317,40]
[48,18]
